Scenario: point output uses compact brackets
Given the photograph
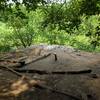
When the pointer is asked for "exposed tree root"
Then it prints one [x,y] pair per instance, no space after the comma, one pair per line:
[12,70]
[41,72]
[40,58]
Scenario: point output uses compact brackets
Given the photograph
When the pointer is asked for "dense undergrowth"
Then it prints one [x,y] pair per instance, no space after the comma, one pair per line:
[56,24]
[8,42]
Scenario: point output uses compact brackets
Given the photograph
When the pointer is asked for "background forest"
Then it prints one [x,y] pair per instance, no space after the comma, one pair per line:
[64,22]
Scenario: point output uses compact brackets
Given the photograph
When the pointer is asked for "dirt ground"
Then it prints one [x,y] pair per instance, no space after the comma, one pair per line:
[74,75]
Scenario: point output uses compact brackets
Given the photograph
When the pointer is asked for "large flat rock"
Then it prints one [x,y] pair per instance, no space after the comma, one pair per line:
[83,86]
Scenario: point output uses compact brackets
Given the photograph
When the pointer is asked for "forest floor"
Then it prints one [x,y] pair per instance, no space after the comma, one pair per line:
[44,72]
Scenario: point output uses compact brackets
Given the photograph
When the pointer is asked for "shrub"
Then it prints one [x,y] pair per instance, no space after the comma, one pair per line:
[90,26]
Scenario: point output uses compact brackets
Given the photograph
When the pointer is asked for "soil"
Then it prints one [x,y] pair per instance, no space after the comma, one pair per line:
[78,86]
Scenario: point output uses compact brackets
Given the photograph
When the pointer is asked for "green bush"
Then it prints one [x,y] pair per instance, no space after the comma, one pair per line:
[55,36]
[23,32]
[90,26]
[4,32]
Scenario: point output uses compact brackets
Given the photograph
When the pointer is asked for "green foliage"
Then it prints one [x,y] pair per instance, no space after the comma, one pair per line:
[75,23]
[23,29]
[91,28]
[55,36]
[90,7]
[30,4]
[66,16]
[4,32]
[22,34]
